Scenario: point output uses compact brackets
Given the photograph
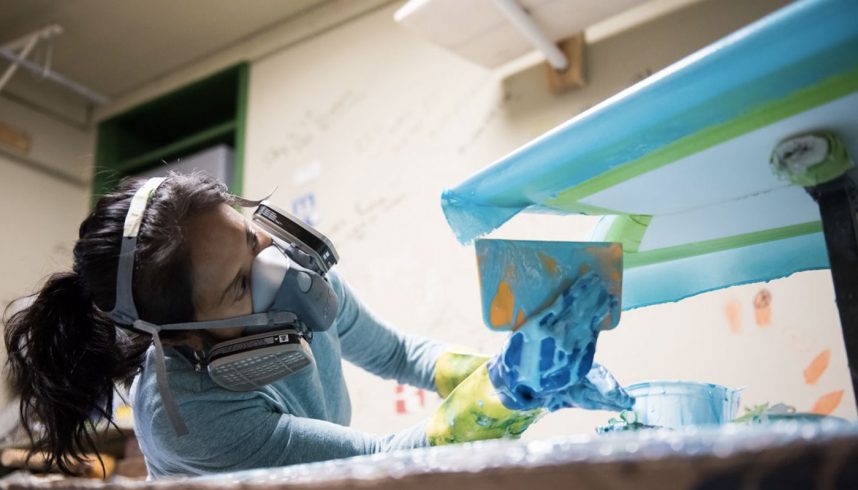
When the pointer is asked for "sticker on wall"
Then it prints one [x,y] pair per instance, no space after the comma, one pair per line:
[733,312]
[307,173]
[827,403]
[304,208]
[763,308]
[409,399]
[817,367]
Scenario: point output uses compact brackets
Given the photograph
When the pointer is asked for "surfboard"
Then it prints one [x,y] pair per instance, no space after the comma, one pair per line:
[680,163]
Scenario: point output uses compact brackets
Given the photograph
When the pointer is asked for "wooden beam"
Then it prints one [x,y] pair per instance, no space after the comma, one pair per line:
[573,76]
[14,138]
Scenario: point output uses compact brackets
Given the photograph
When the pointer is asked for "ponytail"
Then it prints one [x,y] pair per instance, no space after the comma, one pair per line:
[64,356]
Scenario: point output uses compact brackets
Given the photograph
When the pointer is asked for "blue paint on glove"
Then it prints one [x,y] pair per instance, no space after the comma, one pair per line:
[599,390]
[554,349]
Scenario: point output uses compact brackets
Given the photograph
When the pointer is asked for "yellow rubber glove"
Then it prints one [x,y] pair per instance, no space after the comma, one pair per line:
[544,365]
[473,412]
[453,366]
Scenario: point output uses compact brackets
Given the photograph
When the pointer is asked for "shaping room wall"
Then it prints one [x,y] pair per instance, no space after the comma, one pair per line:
[43,198]
[361,128]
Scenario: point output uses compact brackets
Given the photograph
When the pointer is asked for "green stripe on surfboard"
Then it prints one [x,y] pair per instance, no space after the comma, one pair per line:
[628,230]
[800,101]
[649,257]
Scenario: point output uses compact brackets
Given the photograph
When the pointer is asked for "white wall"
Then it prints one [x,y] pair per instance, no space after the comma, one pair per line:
[375,123]
[43,198]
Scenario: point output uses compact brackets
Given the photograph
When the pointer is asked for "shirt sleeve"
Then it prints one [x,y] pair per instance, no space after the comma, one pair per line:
[245,432]
[373,345]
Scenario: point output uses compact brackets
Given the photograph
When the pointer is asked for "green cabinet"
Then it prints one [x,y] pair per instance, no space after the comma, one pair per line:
[203,114]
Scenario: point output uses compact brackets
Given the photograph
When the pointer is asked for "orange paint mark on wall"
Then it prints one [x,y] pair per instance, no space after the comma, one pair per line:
[583,269]
[817,367]
[501,309]
[733,311]
[827,403]
[763,308]
[409,399]
[549,263]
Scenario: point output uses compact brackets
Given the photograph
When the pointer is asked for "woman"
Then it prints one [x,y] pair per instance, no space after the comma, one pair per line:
[193,262]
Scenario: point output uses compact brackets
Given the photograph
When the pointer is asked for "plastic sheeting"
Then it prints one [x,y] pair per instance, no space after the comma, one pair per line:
[789,453]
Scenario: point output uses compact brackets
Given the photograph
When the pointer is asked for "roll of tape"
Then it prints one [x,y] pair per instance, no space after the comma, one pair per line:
[810,159]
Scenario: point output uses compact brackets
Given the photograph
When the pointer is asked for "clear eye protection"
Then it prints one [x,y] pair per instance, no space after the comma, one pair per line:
[288,229]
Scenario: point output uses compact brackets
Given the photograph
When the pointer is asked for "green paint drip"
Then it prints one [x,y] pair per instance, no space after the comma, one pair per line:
[810,159]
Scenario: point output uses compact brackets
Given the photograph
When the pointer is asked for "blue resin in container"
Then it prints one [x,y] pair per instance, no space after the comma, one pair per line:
[679,404]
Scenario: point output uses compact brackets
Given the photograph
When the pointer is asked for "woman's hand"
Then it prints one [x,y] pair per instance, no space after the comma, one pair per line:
[553,350]
[545,364]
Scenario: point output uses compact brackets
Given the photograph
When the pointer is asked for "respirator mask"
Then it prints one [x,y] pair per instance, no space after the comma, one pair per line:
[290,295]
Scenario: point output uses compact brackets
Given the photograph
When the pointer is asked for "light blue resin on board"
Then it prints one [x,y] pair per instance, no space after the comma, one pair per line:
[681,278]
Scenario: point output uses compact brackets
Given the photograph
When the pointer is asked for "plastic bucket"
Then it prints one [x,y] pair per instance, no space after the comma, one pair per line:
[678,404]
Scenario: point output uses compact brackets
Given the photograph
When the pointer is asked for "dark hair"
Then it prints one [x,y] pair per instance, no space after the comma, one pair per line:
[64,354]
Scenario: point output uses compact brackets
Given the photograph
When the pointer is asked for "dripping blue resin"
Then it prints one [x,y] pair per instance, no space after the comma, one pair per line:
[291,299]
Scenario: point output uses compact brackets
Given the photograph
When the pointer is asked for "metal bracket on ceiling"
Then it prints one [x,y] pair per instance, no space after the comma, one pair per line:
[564,61]
[522,20]
[16,53]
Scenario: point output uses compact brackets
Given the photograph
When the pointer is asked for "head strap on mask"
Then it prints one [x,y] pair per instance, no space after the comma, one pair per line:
[125,312]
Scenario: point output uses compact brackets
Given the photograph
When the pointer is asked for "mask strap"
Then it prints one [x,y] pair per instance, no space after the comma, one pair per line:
[273,318]
[125,312]
[169,402]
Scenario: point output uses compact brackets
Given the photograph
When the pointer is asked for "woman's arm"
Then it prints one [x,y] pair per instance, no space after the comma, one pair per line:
[245,432]
[370,343]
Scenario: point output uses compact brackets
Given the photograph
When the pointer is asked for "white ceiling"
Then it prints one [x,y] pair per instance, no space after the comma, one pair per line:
[115,47]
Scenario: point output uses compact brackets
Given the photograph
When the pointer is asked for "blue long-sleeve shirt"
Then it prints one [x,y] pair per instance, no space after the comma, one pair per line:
[299,419]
